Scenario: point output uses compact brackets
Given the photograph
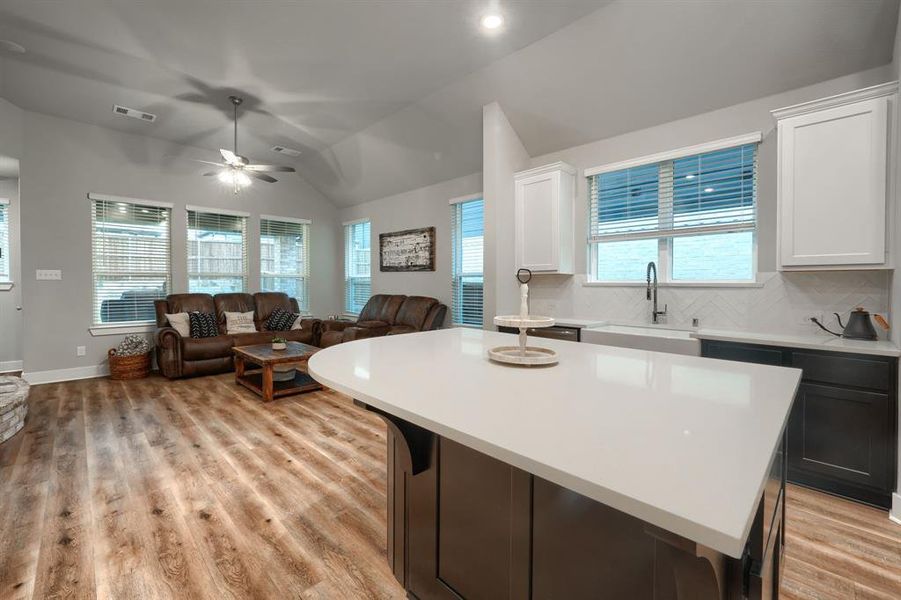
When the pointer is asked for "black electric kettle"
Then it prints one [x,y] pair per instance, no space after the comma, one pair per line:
[859,326]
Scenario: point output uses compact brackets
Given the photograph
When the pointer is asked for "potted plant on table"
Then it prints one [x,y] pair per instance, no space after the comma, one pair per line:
[279,343]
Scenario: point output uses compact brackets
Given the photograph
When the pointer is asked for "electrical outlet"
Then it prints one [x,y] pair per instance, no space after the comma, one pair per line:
[80,351]
[49,275]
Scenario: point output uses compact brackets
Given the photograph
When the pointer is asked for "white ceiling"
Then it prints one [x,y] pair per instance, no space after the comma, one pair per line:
[386,96]
[312,72]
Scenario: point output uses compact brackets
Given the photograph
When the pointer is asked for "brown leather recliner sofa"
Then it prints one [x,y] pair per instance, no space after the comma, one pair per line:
[178,356]
[386,314]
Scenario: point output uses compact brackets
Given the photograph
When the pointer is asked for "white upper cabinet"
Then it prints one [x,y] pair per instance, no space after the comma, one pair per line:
[544,200]
[833,181]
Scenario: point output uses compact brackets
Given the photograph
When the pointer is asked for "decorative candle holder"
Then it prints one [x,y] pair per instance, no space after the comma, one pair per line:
[523,354]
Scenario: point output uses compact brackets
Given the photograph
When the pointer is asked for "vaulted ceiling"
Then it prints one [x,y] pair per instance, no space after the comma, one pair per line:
[385,95]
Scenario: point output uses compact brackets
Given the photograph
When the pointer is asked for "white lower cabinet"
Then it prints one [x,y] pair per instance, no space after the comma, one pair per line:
[833,181]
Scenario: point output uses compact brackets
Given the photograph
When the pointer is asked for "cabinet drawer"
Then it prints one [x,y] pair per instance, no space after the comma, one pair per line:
[844,370]
[749,353]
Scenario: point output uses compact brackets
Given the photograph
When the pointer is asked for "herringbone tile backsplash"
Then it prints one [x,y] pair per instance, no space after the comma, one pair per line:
[783,303]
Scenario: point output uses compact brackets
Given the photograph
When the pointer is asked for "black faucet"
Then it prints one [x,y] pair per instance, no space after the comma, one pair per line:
[652,295]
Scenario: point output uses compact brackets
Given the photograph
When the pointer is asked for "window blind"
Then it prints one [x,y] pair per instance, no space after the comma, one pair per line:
[467,241]
[704,193]
[5,274]
[357,282]
[131,260]
[284,258]
[217,252]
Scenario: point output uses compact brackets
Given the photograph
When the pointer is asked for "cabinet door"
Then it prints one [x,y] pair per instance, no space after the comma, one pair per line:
[537,222]
[832,195]
[468,527]
[840,436]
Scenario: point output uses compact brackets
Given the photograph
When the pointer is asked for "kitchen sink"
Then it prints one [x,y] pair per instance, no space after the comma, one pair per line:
[657,339]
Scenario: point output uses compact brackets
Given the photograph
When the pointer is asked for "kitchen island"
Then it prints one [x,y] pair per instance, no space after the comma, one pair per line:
[617,473]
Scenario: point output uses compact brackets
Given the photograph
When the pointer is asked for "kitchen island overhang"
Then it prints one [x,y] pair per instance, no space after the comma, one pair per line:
[683,444]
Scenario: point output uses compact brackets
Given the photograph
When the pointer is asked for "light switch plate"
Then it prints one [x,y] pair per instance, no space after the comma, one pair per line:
[49,275]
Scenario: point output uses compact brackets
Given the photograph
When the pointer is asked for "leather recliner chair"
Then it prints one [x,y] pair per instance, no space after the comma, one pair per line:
[178,356]
[386,314]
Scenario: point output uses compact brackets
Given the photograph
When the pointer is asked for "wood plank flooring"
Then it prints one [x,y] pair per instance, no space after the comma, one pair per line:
[195,489]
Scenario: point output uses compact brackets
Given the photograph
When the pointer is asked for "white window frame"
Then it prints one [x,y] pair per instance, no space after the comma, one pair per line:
[665,243]
[304,273]
[244,250]
[6,283]
[348,310]
[101,329]
[454,259]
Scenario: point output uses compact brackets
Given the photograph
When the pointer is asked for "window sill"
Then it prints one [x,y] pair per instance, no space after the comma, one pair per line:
[5,286]
[464,326]
[100,330]
[677,284]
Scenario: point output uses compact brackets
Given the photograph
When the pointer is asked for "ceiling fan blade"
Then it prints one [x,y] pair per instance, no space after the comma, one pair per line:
[269,168]
[232,158]
[207,162]
[262,176]
[211,173]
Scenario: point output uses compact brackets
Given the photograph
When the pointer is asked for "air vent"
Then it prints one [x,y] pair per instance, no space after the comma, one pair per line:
[133,113]
[286,151]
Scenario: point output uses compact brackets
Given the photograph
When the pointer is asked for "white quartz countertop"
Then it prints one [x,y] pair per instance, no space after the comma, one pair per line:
[808,341]
[679,441]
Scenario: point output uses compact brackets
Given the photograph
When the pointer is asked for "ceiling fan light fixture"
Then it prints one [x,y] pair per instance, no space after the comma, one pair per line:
[234,178]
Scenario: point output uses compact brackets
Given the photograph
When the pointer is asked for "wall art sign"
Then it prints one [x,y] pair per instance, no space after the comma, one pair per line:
[408,250]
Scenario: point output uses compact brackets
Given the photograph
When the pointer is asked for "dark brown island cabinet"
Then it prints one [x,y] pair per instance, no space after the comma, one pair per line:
[464,525]
[843,428]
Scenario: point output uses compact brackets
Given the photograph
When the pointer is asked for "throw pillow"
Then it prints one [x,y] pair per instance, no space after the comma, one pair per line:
[179,322]
[239,322]
[203,325]
[281,320]
[297,321]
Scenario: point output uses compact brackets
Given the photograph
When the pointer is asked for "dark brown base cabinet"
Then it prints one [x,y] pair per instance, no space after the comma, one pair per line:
[464,525]
[843,430]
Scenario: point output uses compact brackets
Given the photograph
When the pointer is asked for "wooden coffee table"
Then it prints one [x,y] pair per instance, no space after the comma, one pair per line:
[260,380]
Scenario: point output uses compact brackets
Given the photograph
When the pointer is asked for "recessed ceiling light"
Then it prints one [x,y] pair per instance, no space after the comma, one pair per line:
[492,21]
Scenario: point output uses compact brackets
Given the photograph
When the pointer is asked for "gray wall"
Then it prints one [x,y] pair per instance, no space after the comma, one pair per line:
[502,155]
[727,122]
[423,207]
[10,318]
[64,160]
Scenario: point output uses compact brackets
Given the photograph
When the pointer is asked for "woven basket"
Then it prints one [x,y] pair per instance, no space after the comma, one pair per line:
[129,367]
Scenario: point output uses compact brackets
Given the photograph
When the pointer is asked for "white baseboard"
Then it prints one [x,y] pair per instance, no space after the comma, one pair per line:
[895,513]
[56,375]
[10,365]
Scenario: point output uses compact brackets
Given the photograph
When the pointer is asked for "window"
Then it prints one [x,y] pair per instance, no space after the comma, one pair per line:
[357,284]
[5,274]
[285,257]
[467,231]
[694,214]
[217,251]
[131,258]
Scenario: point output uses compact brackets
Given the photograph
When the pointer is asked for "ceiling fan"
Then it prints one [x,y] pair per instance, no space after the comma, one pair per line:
[237,170]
